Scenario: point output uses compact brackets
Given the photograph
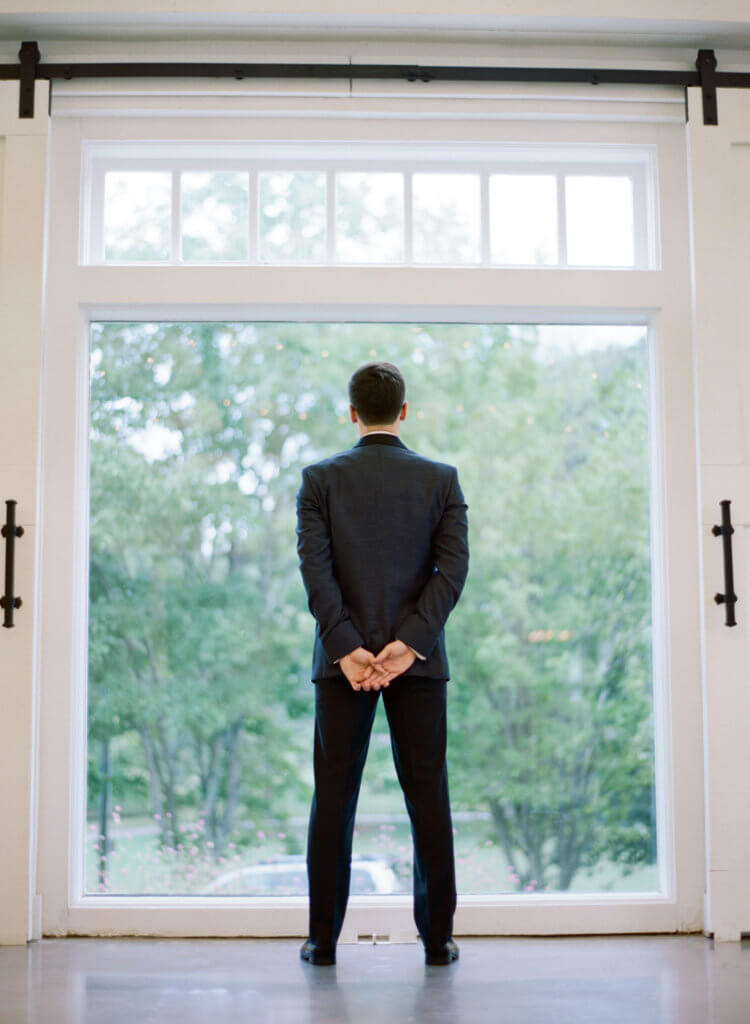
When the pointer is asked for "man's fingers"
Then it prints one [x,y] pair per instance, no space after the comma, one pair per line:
[379,681]
[376,677]
[373,665]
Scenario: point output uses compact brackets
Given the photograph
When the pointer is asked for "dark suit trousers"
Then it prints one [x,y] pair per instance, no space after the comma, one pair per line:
[416,711]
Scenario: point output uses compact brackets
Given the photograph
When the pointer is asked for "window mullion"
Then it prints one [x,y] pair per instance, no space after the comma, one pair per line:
[253,218]
[408,219]
[175,256]
[330,216]
[562,233]
[484,218]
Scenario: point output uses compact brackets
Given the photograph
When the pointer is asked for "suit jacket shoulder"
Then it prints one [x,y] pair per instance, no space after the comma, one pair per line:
[354,454]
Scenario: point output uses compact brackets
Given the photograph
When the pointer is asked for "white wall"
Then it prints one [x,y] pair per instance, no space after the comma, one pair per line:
[649,11]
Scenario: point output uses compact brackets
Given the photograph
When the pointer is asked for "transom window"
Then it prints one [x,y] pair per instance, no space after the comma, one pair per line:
[285,204]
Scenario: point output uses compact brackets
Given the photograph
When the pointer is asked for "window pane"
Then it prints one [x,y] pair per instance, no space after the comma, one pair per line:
[137,215]
[446,218]
[292,207]
[214,215]
[599,220]
[200,705]
[523,218]
[369,217]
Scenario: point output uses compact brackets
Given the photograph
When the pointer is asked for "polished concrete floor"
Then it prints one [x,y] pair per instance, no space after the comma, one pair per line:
[603,980]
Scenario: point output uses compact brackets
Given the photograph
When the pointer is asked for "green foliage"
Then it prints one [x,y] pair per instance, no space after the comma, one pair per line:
[199,635]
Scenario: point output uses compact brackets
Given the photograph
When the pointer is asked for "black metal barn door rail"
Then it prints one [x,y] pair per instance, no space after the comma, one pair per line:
[10,531]
[705,75]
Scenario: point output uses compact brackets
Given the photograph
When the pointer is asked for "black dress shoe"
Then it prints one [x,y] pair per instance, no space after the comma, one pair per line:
[444,954]
[315,955]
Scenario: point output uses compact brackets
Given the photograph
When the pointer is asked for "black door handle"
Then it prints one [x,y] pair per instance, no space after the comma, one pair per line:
[729,598]
[10,531]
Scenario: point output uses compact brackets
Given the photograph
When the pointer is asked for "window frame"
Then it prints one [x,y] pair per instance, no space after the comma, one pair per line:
[77,294]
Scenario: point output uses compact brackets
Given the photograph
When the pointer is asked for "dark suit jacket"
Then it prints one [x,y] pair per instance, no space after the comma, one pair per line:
[382,539]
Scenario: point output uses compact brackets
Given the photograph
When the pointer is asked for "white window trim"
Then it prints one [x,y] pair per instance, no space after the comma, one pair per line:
[76,295]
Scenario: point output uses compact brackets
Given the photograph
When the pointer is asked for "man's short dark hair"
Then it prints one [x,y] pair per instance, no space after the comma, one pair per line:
[377,392]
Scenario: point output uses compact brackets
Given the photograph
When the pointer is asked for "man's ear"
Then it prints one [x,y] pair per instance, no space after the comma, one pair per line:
[402,415]
[352,413]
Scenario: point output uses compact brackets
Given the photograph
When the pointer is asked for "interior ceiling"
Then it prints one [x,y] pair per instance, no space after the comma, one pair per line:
[116,27]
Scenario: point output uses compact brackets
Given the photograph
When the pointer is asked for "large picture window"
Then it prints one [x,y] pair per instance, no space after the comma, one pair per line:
[200,700]
[212,286]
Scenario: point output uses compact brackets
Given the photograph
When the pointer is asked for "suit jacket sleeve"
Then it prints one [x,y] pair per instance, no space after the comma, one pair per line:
[422,627]
[338,634]
[420,656]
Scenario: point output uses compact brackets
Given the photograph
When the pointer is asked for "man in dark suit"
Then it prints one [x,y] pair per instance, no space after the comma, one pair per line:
[382,539]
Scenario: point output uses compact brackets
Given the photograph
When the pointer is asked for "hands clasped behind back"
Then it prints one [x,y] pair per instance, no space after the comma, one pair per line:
[368,671]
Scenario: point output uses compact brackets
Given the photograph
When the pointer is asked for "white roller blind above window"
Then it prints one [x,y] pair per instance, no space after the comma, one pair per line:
[367,98]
